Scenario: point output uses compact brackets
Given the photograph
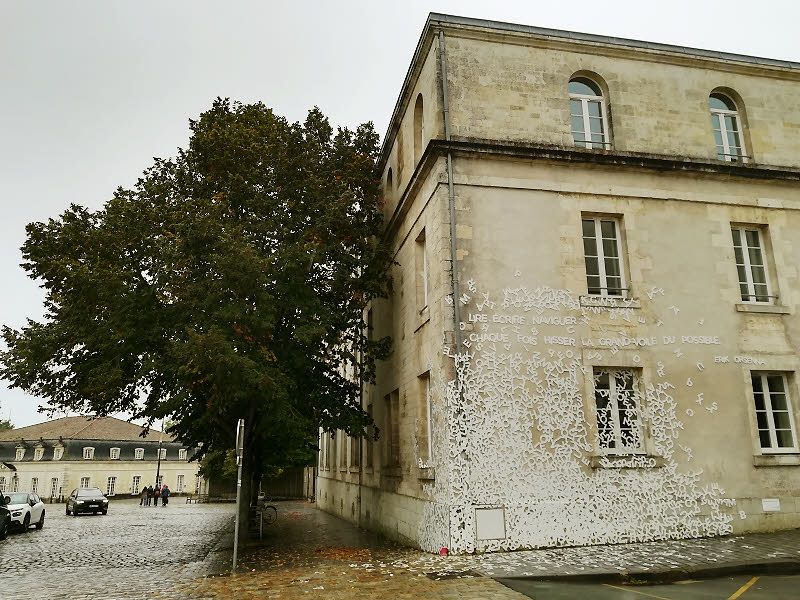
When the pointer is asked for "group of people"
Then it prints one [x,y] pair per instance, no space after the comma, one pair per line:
[151,494]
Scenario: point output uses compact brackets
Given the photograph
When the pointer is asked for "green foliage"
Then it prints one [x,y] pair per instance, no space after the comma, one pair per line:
[5,425]
[229,283]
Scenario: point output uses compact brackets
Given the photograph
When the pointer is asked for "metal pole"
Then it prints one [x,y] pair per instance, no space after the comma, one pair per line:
[239,461]
[160,439]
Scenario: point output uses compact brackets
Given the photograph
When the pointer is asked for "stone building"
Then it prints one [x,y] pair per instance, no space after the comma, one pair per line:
[594,311]
[53,458]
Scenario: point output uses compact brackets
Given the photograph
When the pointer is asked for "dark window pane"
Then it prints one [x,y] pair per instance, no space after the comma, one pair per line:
[721,102]
[612,267]
[775,383]
[785,439]
[609,247]
[737,237]
[594,109]
[763,436]
[742,273]
[759,399]
[781,419]
[588,227]
[591,266]
[761,417]
[778,401]
[583,86]
[608,229]
[589,247]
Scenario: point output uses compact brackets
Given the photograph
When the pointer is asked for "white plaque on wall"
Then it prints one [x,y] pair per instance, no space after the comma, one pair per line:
[491,523]
[770,504]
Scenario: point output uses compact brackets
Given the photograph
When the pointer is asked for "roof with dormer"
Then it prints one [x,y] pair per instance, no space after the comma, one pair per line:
[85,428]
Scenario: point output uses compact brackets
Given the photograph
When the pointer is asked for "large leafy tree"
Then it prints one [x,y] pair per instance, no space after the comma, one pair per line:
[229,283]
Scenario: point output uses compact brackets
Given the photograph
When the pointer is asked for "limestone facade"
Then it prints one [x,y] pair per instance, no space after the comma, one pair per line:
[651,392]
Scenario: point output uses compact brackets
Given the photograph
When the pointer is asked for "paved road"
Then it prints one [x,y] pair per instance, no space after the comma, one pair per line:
[133,552]
[744,587]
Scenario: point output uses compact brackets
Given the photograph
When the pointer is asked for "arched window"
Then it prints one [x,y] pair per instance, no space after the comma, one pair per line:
[727,128]
[419,128]
[588,114]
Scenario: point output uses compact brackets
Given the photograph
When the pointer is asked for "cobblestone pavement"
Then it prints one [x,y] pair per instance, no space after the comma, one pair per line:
[133,552]
[308,551]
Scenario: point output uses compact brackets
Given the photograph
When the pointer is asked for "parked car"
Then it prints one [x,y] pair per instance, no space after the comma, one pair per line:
[83,500]
[5,517]
[26,508]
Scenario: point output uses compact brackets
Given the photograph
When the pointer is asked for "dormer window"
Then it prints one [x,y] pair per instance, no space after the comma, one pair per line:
[114,454]
[88,453]
[182,454]
[20,453]
[162,453]
[589,122]
[138,454]
[58,452]
[727,128]
[38,453]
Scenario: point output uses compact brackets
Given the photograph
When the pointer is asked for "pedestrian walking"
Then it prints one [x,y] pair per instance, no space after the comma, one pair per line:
[144,496]
[156,495]
[164,495]
[149,494]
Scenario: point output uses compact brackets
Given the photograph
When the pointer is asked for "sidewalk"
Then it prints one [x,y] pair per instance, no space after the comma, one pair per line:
[307,551]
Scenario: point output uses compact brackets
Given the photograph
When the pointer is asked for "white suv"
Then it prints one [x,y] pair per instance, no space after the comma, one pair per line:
[26,509]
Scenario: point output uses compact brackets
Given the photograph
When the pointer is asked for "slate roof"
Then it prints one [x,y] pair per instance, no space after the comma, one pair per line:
[84,428]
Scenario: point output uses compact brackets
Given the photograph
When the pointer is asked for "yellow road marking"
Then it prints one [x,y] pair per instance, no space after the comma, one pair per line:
[638,592]
[743,589]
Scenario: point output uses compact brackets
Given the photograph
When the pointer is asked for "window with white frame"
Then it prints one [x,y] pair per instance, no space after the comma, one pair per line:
[113,454]
[38,453]
[58,452]
[88,453]
[111,486]
[162,453]
[588,118]
[2,484]
[179,484]
[34,485]
[159,480]
[748,248]
[774,418]
[54,489]
[617,404]
[138,453]
[85,481]
[727,129]
[136,482]
[602,250]
[20,454]
[182,454]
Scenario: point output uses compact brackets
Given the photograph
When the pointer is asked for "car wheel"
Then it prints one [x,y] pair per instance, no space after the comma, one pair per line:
[105,512]
[26,523]
[4,527]
[68,511]
[40,524]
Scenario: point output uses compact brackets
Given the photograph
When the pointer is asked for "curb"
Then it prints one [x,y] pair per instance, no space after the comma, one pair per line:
[701,571]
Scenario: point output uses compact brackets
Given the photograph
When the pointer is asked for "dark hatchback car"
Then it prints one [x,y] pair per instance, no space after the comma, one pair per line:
[87,500]
[5,517]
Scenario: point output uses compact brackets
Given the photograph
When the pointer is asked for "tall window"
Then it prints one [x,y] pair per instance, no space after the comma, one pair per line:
[88,453]
[389,189]
[138,454]
[34,484]
[2,484]
[727,128]
[159,480]
[114,454]
[179,484]
[776,432]
[421,260]
[182,454]
[419,128]
[162,453]
[19,454]
[111,486]
[750,264]
[341,444]
[617,399]
[368,439]
[135,484]
[424,417]
[355,457]
[588,114]
[392,428]
[38,454]
[602,249]
[58,452]
[54,490]
[15,484]
[85,482]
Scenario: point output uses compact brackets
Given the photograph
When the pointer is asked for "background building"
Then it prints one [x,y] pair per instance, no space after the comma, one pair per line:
[614,356]
[53,458]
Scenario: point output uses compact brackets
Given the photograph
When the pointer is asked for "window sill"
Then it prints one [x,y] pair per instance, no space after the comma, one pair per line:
[776,460]
[426,473]
[772,309]
[392,471]
[354,469]
[630,461]
[609,301]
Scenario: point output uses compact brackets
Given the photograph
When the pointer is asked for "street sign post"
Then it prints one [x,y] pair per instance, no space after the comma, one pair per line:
[239,455]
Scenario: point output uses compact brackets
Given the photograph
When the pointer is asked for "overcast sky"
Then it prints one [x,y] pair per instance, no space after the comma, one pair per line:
[90,91]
